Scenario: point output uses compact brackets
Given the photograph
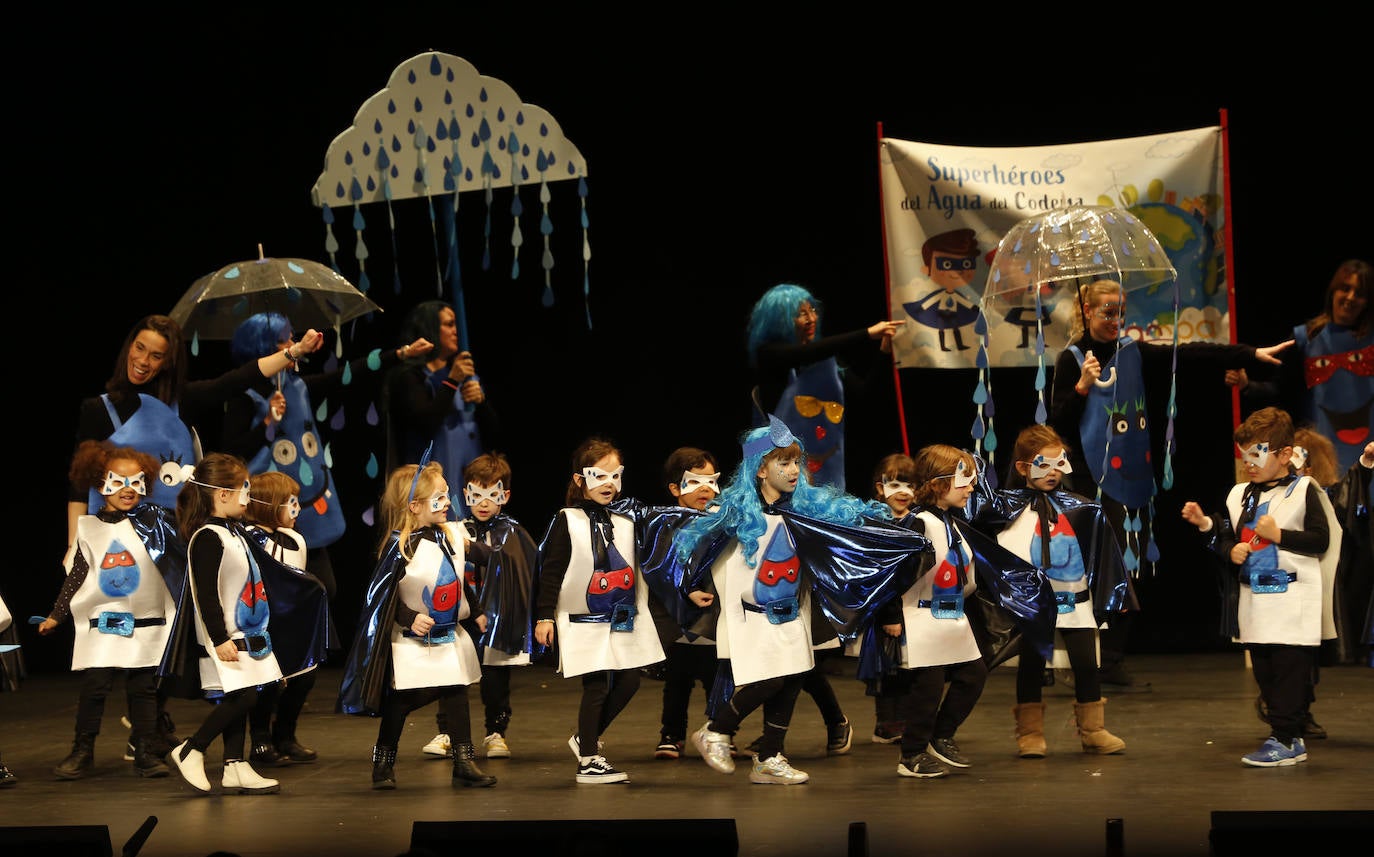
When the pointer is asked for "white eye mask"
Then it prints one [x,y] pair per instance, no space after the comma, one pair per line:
[1256,454]
[963,477]
[474,494]
[595,477]
[439,502]
[1299,459]
[115,483]
[692,481]
[1040,466]
[893,487]
[293,507]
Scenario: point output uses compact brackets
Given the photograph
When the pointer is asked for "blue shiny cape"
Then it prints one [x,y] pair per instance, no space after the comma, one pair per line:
[993,510]
[507,584]
[1013,601]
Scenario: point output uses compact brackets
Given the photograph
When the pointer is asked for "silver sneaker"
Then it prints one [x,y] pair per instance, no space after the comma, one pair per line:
[775,770]
[714,748]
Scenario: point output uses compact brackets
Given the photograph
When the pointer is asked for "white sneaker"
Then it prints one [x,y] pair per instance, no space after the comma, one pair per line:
[714,748]
[496,745]
[240,777]
[775,770]
[191,769]
[439,746]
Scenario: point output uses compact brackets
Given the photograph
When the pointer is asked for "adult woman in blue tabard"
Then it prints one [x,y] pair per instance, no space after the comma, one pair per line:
[149,405]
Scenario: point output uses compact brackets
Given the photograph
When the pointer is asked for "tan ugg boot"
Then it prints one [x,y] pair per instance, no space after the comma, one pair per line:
[1095,737]
[1030,729]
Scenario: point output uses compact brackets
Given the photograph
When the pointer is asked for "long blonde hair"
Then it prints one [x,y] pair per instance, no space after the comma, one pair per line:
[401,488]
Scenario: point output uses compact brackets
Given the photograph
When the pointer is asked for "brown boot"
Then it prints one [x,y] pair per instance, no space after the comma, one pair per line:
[1095,737]
[1030,729]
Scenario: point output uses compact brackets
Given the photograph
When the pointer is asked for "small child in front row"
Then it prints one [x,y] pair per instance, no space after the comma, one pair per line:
[894,480]
[1279,539]
[411,648]
[116,596]
[273,506]
[1070,539]
[232,614]
[504,585]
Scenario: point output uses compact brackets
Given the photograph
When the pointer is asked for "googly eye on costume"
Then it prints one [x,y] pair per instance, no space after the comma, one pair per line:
[963,477]
[1040,466]
[595,477]
[1299,458]
[474,494]
[1256,454]
[692,481]
[893,487]
[115,483]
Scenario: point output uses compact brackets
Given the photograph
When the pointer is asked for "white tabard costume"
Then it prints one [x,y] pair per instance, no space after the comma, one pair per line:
[760,647]
[1300,613]
[243,604]
[930,640]
[433,586]
[585,642]
[123,611]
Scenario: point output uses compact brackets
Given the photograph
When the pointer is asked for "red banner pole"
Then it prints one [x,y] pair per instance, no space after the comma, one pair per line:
[1227,234]
[887,281]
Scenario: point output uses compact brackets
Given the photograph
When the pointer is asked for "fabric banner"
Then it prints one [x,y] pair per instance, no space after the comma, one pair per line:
[946,208]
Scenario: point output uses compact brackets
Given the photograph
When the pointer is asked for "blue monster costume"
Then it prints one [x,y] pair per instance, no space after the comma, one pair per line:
[1338,370]
[812,406]
[157,429]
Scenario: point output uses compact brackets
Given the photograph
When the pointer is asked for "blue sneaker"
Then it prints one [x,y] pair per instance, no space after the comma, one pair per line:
[1274,754]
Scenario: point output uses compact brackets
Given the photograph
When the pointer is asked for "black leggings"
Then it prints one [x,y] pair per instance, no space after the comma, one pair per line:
[1082,651]
[228,719]
[605,694]
[778,698]
[284,698]
[139,692]
[397,705]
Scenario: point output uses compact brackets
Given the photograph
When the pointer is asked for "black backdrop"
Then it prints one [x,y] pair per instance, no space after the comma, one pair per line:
[724,156]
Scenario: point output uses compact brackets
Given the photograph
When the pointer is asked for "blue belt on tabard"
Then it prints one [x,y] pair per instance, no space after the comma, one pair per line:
[621,617]
[1268,581]
[258,646]
[1065,599]
[123,624]
[949,607]
[438,634]
[778,611]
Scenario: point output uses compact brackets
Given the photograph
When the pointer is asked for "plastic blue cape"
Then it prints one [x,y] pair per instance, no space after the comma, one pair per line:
[1108,580]
[1013,601]
[507,584]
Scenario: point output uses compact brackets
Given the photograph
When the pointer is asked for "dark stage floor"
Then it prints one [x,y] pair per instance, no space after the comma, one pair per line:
[1182,763]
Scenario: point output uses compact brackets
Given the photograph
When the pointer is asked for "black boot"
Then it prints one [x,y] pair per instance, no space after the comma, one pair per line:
[146,762]
[81,760]
[289,749]
[165,737]
[383,767]
[465,770]
[7,777]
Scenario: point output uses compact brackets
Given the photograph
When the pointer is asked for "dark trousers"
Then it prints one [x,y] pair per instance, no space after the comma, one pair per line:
[495,692]
[1284,675]
[817,686]
[1082,651]
[228,719]
[397,705]
[604,695]
[685,667]
[285,699]
[777,697]
[139,691]
[931,711]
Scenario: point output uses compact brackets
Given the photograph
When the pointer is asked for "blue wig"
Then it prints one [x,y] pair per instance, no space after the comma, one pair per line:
[774,317]
[259,335]
[740,513]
